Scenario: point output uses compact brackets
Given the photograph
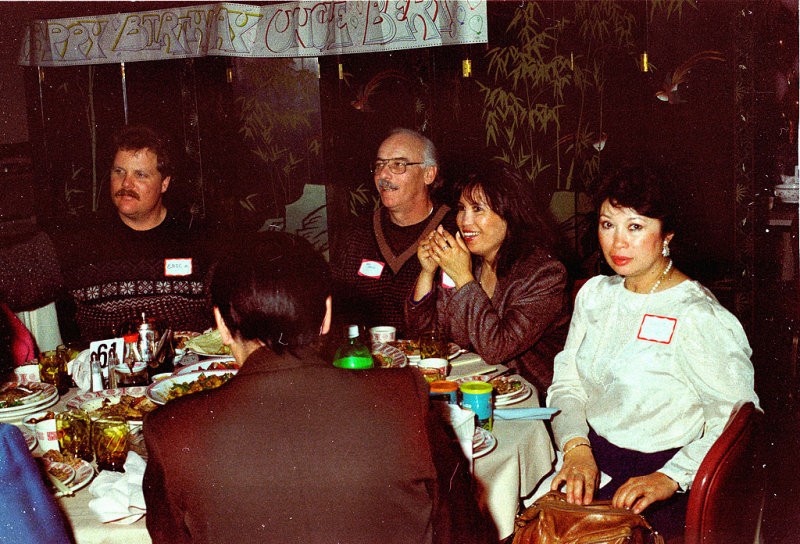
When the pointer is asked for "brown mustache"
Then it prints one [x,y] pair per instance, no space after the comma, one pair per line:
[126,192]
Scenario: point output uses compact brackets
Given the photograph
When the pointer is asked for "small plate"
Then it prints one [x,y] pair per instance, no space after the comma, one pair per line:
[65,470]
[482,442]
[41,393]
[208,364]
[390,356]
[93,400]
[30,438]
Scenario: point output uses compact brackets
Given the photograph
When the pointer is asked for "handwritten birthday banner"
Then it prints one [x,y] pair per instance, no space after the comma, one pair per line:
[291,29]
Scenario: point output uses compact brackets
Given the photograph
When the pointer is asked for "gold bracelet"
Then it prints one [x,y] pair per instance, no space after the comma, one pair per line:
[579,444]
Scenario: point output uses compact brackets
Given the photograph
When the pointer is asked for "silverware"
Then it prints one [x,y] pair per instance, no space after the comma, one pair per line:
[63,489]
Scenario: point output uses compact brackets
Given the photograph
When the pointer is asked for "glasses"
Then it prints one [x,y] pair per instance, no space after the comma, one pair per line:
[396,166]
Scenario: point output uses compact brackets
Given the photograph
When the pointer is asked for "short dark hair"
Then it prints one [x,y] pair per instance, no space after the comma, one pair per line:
[646,189]
[508,197]
[136,137]
[272,288]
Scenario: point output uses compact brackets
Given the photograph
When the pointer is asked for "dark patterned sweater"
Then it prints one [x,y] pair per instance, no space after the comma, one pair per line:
[112,273]
[369,300]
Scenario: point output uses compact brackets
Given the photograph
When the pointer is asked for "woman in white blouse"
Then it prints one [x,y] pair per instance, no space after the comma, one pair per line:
[652,366]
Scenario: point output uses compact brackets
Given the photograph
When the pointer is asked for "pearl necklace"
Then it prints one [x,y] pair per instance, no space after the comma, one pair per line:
[661,277]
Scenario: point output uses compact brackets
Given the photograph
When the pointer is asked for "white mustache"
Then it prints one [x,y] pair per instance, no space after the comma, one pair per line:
[383,184]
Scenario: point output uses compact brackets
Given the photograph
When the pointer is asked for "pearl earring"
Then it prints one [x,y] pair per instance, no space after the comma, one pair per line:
[665,249]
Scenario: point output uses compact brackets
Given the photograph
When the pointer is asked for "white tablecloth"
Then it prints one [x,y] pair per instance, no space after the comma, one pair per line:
[523,456]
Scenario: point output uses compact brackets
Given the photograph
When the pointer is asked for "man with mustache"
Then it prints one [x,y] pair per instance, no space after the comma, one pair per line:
[141,257]
[377,269]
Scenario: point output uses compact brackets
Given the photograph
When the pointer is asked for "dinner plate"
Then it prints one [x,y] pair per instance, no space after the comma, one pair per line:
[16,416]
[30,438]
[206,364]
[390,356]
[158,392]
[84,472]
[93,400]
[506,399]
[41,393]
[524,394]
[482,442]
[411,349]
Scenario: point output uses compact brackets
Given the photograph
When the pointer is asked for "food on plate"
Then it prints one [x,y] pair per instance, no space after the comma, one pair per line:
[129,407]
[223,365]
[65,457]
[12,396]
[61,471]
[202,383]
[48,415]
[383,361]
[504,386]
[181,337]
[409,347]
[208,343]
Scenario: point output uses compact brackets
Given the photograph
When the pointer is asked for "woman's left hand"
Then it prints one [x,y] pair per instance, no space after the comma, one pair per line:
[451,254]
[640,492]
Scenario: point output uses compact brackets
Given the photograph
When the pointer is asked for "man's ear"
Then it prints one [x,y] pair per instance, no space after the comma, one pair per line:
[224,331]
[326,321]
[165,184]
[430,174]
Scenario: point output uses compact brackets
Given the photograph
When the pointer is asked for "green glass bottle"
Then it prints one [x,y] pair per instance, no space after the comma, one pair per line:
[353,354]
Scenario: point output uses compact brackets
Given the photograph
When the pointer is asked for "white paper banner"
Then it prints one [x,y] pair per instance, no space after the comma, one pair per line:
[291,29]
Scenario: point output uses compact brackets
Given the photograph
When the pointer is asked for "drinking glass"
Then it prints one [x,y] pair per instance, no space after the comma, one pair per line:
[110,442]
[53,370]
[75,433]
[433,344]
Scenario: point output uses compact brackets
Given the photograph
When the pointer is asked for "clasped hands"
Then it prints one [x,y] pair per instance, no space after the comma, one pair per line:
[443,250]
[581,477]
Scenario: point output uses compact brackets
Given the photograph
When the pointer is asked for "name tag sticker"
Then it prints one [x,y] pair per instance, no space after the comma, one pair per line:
[655,328]
[447,281]
[177,267]
[371,269]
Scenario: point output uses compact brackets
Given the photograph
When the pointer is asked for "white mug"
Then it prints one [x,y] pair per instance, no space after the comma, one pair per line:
[47,435]
[383,334]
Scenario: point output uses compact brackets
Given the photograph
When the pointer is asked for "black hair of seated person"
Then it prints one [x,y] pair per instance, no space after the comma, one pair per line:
[137,137]
[646,189]
[508,196]
[272,287]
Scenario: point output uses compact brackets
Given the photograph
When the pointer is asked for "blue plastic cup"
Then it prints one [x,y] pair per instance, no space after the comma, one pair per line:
[477,396]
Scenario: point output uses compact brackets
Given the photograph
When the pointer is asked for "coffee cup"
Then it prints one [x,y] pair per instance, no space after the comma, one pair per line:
[47,435]
[433,368]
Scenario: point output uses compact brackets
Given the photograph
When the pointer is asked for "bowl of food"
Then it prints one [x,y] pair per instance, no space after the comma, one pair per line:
[179,385]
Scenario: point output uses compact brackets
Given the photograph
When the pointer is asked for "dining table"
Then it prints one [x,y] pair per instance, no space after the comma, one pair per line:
[522,456]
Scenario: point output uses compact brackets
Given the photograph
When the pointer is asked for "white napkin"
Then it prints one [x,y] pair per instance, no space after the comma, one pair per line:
[463,423]
[80,368]
[544,485]
[119,497]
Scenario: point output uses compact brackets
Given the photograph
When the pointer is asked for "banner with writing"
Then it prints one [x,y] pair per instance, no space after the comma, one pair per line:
[291,29]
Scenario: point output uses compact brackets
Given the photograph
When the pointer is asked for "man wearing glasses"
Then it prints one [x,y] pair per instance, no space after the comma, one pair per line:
[378,267]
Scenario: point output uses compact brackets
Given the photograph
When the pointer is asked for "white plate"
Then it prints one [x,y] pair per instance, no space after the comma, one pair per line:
[205,364]
[397,357]
[93,400]
[524,394]
[30,438]
[508,398]
[482,442]
[158,391]
[83,475]
[41,393]
[61,466]
[17,416]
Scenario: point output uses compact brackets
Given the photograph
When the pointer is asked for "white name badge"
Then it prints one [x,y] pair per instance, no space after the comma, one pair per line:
[371,269]
[177,267]
[655,328]
[447,281]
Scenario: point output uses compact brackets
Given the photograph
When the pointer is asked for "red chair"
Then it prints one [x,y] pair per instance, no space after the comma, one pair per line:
[726,497]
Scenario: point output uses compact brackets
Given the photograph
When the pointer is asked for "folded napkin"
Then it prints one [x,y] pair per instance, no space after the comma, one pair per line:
[465,359]
[81,370]
[524,413]
[119,497]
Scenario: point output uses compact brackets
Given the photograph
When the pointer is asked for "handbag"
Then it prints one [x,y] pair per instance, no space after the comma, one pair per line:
[552,520]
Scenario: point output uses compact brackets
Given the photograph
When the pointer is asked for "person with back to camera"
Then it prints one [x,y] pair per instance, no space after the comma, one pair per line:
[499,292]
[652,367]
[292,449]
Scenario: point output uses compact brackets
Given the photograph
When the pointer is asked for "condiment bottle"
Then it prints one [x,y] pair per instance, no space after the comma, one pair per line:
[96,372]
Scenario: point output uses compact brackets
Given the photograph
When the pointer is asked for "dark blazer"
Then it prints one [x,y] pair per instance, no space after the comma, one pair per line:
[293,450]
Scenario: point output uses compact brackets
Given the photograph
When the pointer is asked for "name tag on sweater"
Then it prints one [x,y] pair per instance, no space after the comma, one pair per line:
[177,267]
[655,328]
[447,281]
[371,269]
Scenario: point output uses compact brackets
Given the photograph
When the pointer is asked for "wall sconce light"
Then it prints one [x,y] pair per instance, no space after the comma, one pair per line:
[229,74]
[571,61]
[41,75]
[466,68]
[644,62]
[341,71]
